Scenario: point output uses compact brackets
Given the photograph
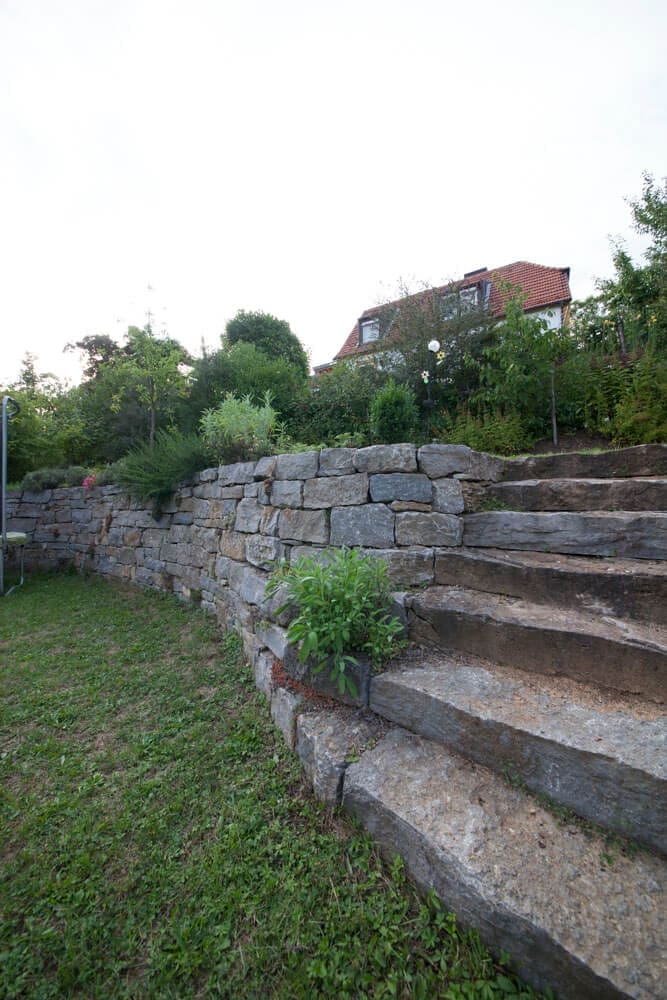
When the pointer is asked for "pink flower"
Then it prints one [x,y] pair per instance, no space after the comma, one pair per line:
[89,481]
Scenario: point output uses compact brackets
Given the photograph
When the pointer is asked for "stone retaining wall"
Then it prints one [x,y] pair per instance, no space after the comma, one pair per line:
[219,539]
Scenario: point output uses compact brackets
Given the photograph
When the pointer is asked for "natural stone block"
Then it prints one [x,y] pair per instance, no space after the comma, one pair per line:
[325,745]
[248,582]
[251,490]
[208,475]
[232,544]
[336,491]
[275,638]
[268,524]
[240,472]
[428,529]
[231,492]
[487,468]
[336,462]
[408,567]
[264,551]
[386,458]
[304,526]
[302,465]
[263,670]
[371,525]
[285,707]
[440,460]
[265,467]
[400,506]
[401,486]
[248,516]
[286,493]
[448,496]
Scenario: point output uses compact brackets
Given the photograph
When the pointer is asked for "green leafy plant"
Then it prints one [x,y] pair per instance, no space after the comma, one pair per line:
[151,473]
[342,611]
[237,429]
[394,414]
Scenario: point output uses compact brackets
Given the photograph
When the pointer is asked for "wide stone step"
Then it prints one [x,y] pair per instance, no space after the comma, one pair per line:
[602,757]
[621,534]
[647,494]
[642,460]
[631,588]
[533,887]
[624,656]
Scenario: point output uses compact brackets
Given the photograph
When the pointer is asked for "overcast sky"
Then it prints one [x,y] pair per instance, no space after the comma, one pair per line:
[301,157]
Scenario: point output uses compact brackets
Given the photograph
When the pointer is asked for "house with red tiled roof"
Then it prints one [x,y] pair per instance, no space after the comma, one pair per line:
[546,293]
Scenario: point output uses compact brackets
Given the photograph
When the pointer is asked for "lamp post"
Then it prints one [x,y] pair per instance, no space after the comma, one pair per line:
[434,347]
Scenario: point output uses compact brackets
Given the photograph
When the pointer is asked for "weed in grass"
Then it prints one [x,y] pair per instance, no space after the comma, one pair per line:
[156,837]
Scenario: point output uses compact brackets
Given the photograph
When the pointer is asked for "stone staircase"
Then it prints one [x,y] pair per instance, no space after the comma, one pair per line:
[539,686]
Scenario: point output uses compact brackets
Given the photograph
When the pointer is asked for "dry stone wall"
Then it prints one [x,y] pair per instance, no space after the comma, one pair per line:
[219,538]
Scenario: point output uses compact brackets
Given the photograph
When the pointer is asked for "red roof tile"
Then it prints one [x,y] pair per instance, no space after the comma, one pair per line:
[543,288]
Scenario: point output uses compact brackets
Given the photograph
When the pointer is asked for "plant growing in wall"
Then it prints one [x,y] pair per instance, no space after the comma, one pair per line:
[342,612]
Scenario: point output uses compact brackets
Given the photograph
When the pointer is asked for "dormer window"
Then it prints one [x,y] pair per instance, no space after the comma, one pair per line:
[454,304]
[370,330]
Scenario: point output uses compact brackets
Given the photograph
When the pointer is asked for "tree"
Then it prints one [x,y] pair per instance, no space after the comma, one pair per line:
[152,368]
[272,336]
[521,366]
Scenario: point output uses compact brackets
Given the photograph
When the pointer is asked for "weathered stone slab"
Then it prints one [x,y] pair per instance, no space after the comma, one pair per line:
[208,475]
[400,506]
[326,744]
[643,460]
[304,526]
[428,529]
[336,491]
[623,656]
[620,588]
[336,462]
[302,465]
[488,468]
[509,868]
[649,494]
[371,525]
[268,524]
[598,758]
[440,460]
[401,486]
[264,551]
[448,496]
[628,535]
[248,516]
[286,493]
[386,458]
[251,490]
[407,567]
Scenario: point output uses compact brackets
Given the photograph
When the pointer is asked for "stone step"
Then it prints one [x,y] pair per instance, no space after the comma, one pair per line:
[631,588]
[602,756]
[534,888]
[642,460]
[621,534]
[646,494]
[624,656]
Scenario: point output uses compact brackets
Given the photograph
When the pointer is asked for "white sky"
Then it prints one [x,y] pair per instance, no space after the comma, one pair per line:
[301,157]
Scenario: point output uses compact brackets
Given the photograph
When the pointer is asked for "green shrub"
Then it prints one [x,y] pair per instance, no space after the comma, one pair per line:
[152,473]
[237,430]
[51,479]
[342,610]
[641,414]
[394,414]
[497,433]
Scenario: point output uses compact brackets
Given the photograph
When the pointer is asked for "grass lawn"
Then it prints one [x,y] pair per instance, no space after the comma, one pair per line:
[157,839]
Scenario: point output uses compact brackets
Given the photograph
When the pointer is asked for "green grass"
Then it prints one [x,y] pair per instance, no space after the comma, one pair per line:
[157,839]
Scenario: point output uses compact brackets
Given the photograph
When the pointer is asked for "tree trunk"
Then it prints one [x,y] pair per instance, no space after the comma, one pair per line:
[554,423]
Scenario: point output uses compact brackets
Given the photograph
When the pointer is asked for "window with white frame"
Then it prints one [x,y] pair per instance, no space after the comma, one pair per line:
[370,330]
